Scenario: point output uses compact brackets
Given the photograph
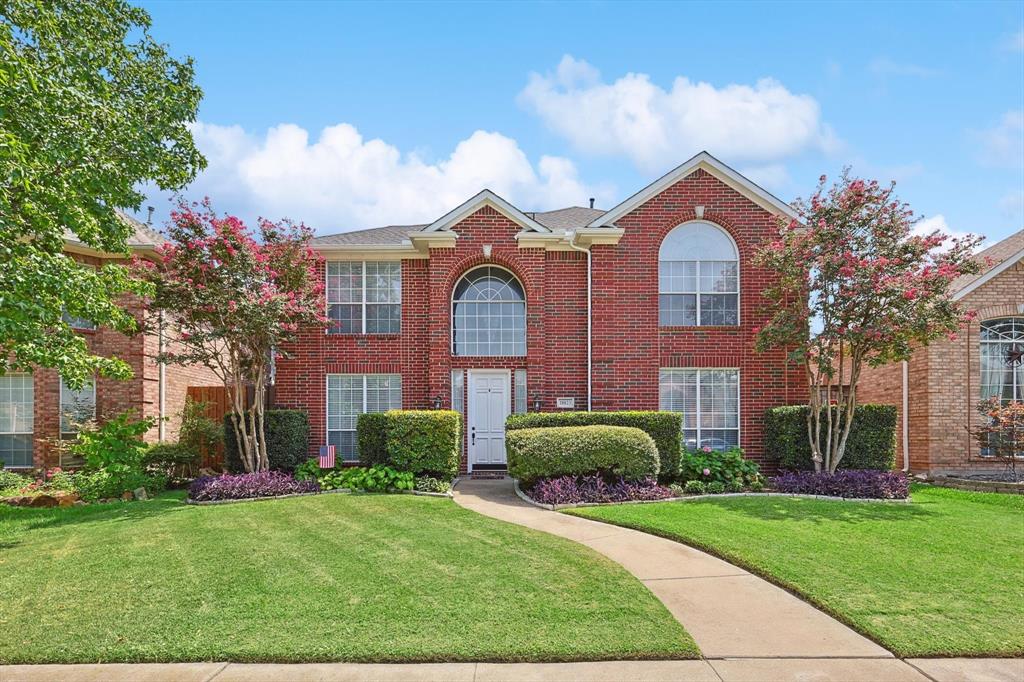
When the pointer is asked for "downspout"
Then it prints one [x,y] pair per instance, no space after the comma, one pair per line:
[162,381]
[906,417]
[572,244]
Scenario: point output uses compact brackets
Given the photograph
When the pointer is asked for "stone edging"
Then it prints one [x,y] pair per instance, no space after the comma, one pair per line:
[976,485]
[556,507]
[341,491]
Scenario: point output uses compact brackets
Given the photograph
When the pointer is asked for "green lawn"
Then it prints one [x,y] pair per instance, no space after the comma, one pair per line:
[943,576]
[325,578]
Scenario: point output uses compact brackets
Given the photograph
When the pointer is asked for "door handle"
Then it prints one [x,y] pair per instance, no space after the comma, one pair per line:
[472,435]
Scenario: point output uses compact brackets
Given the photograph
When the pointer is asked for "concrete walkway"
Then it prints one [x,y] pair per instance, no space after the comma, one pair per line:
[730,612]
[720,670]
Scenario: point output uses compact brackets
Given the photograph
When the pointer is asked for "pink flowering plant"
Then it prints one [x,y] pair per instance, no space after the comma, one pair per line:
[853,286]
[231,297]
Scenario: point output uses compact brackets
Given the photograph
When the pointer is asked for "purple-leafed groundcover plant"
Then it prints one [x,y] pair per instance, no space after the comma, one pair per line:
[594,488]
[245,486]
[861,483]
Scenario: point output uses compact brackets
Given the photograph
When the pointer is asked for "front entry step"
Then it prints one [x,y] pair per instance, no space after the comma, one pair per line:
[479,475]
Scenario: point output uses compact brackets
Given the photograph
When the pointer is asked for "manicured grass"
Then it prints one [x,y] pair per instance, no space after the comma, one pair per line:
[330,577]
[943,576]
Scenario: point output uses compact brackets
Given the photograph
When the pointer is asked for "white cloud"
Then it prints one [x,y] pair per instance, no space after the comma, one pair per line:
[343,181]
[759,125]
[1002,145]
[937,222]
[883,66]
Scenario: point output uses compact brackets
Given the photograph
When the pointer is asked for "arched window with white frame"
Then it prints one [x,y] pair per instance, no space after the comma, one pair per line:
[489,314]
[1002,369]
[698,277]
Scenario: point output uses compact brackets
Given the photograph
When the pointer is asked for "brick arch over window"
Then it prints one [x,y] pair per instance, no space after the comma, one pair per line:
[698,283]
[498,258]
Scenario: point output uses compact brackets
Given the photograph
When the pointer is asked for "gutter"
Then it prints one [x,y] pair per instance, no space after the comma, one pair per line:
[162,382]
[906,417]
[572,244]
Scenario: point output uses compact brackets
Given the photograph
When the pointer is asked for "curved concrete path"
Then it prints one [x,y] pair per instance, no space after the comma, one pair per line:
[730,612]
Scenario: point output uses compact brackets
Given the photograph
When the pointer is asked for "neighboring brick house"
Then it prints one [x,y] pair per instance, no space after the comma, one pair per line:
[37,408]
[937,391]
[486,311]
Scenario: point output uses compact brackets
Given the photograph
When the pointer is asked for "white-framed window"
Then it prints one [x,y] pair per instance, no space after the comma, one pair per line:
[350,395]
[78,322]
[16,420]
[458,389]
[1002,375]
[76,407]
[710,402]
[521,400]
[364,297]
[698,277]
[489,314]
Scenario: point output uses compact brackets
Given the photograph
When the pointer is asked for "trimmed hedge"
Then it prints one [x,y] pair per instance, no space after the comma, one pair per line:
[871,444]
[579,450]
[421,441]
[287,434]
[372,438]
[424,441]
[666,428]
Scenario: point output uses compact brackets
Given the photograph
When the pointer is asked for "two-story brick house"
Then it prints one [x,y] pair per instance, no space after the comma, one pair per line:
[491,309]
[37,409]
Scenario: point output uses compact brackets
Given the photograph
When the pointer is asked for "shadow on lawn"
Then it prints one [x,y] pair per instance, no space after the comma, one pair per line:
[777,508]
[22,520]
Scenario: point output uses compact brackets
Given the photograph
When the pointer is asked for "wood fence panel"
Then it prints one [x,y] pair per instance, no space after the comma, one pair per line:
[217,405]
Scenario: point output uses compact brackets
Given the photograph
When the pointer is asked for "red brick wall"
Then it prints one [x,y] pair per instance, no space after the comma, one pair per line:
[140,393]
[630,347]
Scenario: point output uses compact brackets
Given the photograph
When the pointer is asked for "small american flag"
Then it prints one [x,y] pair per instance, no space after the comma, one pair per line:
[326,456]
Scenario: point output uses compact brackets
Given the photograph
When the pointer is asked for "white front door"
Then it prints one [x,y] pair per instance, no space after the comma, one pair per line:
[490,402]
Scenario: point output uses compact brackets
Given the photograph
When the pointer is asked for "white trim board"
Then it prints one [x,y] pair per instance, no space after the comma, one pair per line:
[994,272]
[478,201]
[706,162]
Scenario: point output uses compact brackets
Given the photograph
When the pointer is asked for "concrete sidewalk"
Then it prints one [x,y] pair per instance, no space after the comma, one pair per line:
[730,612]
[714,670]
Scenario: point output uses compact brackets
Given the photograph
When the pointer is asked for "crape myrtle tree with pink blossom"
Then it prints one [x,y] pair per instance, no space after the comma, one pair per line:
[855,286]
[230,299]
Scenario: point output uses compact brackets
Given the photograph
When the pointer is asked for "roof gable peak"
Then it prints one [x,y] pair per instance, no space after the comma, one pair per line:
[701,161]
[475,203]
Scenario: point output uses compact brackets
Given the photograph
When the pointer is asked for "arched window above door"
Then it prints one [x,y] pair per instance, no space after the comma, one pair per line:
[489,314]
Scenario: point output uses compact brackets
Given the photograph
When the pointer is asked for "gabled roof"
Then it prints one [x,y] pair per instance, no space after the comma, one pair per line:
[142,238]
[995,260]
[391,234]
[571,218]
[474,204]
[708,163]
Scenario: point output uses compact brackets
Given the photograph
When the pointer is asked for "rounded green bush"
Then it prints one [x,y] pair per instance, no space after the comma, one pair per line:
[734,486]
[578,450]
[695,487]
[716,487]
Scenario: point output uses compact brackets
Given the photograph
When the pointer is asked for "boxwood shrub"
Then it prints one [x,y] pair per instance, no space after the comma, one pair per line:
[578,450]
[372,438]
[287,434]
[423,441]
[871,444]
[665,428]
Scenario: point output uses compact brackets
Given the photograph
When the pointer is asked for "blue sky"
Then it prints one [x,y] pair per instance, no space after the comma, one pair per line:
[357,115]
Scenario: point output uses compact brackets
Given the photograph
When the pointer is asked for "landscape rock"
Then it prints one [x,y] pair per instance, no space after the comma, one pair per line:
[140,494]
[43,500]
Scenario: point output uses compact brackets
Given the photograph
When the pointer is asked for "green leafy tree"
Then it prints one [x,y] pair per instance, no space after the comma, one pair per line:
[91,110]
